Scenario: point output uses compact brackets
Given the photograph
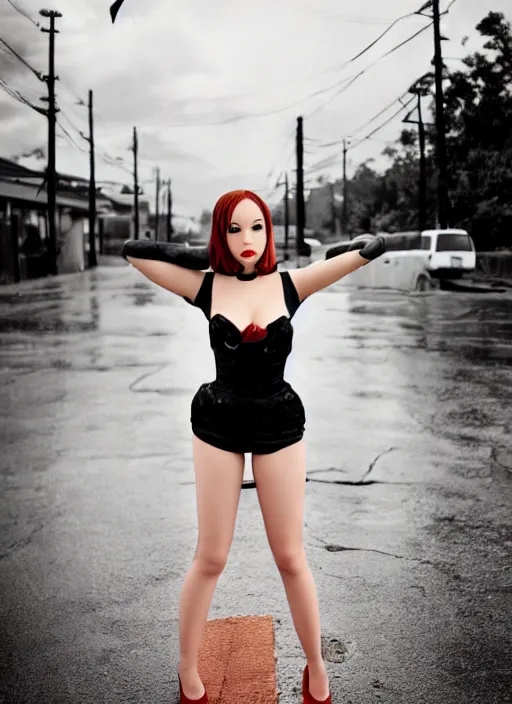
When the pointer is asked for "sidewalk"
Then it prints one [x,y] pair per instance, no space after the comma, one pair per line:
[407,520]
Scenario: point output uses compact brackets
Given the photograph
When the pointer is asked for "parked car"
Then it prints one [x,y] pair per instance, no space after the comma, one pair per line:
[451,253]
[415,260]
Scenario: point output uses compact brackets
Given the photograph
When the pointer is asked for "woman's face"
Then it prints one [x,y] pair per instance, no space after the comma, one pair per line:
[247,235]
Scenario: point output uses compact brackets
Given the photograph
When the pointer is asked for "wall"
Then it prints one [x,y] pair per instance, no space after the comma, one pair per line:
[495,264]
[71,258]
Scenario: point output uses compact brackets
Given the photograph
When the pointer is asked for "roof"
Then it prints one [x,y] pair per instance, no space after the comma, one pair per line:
[30,193]
[11,169]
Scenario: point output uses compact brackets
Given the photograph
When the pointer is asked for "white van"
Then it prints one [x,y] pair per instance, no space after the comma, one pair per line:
[451,253]
[415,261]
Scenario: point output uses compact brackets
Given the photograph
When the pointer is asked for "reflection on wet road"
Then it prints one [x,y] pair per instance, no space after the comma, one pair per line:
[408,403]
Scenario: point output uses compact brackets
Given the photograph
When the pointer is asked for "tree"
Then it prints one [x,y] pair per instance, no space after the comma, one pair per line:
[479,138]
[478,112]
[205,218]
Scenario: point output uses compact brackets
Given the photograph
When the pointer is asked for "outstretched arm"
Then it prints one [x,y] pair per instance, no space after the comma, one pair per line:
[322,274]
[172,265]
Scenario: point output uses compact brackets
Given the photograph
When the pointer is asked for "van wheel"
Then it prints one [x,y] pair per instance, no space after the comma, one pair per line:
[422,283]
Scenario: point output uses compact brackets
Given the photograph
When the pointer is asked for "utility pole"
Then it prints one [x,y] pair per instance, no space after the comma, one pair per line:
[286,209]
[421,88]
[333,209]
[92,189]
[169,212]
[344,211]
[442,167]
[423,170]
[301,210]
[51,174]
[157,202]
[286,214]
[135,183]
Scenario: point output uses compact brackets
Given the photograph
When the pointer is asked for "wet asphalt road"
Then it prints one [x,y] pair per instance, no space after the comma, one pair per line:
[408,511]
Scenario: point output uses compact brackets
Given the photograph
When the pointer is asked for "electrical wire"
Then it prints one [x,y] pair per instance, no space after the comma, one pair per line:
[24,13]
[284,108]
[20,98]
[377,129]
[23,61]
[355,78]
[70,138]
[289,140]
[339,67]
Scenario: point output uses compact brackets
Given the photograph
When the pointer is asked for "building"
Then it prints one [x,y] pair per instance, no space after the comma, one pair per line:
[24,222]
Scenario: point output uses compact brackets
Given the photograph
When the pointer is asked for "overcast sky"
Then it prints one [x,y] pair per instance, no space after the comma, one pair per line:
[194,77]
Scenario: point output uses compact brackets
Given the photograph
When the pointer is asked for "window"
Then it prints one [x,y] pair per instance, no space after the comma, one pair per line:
[453,242]
[426,241]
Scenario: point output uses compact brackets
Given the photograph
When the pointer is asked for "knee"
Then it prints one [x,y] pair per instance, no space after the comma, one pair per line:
[291,562]
[211,563]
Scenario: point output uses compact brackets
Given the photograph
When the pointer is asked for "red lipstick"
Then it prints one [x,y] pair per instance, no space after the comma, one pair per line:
[248,253]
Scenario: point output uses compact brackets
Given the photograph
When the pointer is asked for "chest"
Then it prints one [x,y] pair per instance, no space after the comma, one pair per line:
[258,302]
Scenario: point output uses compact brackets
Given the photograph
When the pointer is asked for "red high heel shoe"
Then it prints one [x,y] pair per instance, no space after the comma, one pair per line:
[307,697]
[185,700]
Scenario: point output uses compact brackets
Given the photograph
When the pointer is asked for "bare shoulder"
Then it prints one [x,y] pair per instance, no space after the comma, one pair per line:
[177,279]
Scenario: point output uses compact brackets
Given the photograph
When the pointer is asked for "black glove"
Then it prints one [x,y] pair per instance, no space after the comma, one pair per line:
[369,247]
[170,252]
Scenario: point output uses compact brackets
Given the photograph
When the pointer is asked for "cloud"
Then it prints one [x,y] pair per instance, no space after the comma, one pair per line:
[171,68]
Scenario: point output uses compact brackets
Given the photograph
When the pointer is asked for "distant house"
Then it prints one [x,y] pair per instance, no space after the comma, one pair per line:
[116,223]
[23,225]
[323,208]
[24,222]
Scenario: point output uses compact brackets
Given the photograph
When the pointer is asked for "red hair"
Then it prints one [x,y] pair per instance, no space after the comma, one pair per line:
[221,259]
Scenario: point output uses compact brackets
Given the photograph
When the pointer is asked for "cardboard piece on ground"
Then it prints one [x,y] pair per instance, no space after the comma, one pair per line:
[237,660]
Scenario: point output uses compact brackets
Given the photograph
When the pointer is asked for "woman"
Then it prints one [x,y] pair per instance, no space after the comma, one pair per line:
[249,408]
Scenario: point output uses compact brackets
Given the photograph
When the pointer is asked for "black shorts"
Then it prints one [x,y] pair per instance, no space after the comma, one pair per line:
[247,423]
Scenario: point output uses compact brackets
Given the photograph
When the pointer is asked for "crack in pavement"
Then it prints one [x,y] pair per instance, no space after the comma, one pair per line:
[146,375]
[495,457]
[330,547]
[359,482]
[23,542]
[375,460]
[329,469]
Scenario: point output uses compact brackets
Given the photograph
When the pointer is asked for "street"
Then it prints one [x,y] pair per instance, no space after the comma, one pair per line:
[408,526]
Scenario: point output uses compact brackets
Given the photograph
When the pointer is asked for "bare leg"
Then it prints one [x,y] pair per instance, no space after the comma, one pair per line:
[280,481]
[219,477]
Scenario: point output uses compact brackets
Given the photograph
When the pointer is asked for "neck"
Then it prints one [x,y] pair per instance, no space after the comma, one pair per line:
[247,275]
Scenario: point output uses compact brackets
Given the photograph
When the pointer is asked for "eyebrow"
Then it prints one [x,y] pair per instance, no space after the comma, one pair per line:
[257,220]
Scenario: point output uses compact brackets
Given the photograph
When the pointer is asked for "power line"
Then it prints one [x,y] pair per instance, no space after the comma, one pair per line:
[363,71]
[376,117]
[377,129]
[289,141]
[20,98]
[20,58]
[75,144]
[338,92]
[344,87]
[323,163]
[371,45]
[24,13]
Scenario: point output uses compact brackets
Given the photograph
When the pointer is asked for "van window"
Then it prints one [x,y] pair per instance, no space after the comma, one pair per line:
[426,241]
[453,242]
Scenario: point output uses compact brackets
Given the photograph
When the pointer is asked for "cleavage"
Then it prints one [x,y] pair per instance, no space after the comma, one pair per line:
[250,325]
